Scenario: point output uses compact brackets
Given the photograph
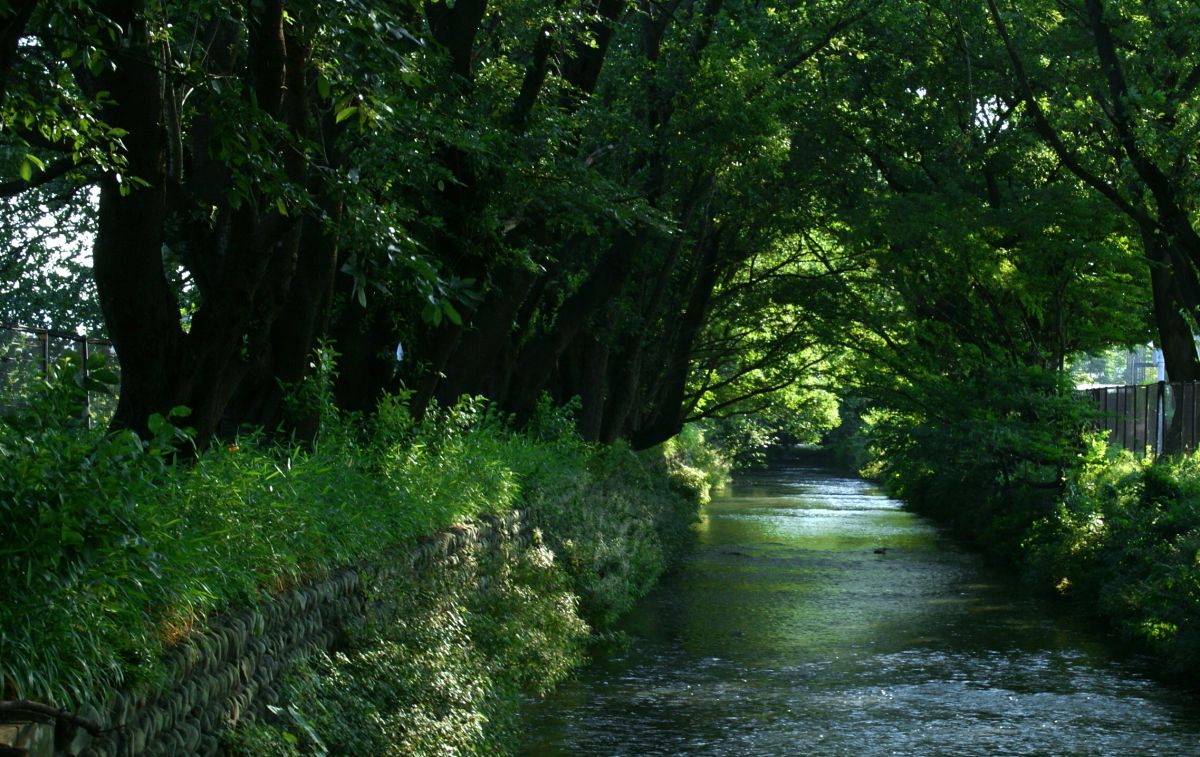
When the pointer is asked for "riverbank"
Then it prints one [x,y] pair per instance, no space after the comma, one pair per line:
[1115,535]
[1124,541]
[447,653]
[140,574]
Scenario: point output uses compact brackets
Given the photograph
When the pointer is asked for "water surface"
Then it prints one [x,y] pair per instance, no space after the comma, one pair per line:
[786,633]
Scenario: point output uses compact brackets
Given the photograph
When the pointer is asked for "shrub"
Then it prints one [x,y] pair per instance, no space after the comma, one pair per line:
[80,557]
[695,465]
[118,549]
[1125,540]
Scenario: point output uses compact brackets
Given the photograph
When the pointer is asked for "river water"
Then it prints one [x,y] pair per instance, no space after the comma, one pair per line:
[786,633]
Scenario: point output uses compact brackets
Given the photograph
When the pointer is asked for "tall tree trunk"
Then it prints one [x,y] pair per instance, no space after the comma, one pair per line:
[1174,334]
[244,262]
[13,19]
[590,384]
[666,411]
[539,358]
[261,398]
[139,307]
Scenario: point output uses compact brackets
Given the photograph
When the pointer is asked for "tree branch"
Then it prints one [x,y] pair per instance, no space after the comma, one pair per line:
[58,168]
[1048,133]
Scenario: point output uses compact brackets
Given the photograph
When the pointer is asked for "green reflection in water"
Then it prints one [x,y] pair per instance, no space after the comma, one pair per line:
[785,633]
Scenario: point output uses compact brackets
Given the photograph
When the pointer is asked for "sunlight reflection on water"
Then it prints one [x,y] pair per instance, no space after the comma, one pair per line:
[786,633]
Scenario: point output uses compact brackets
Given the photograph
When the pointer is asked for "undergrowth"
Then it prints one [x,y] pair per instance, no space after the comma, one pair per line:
[1118,534]
[1125,540]
[115,548]
[442,667]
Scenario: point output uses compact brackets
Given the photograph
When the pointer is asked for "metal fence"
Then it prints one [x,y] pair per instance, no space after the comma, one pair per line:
[26,355]
[1159,417]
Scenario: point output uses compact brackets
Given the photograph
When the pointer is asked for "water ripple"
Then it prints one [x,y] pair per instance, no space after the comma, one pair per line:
[787,633]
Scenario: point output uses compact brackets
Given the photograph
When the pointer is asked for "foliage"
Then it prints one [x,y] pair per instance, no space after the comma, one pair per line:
[1125,541]
[990,460]
[121,547]
[701,465]
[616,528]
[79,555]
[522,195]
[447,659]
[45,271]
[441,667]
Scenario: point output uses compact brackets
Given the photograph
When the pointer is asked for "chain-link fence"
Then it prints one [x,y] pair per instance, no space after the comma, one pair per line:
[1160,417]
[26,355]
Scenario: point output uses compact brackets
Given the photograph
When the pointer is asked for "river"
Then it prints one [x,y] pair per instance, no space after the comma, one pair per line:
[785,632]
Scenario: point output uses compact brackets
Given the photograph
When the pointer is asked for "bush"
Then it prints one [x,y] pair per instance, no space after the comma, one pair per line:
[616,525]
[80,560]
[696,465]
[118,548]
[1125,540]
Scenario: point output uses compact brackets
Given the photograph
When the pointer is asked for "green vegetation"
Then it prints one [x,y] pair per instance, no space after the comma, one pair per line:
[535,197]
[1125,540]
[654,213]
[441,669]
[141,545]
[446,660]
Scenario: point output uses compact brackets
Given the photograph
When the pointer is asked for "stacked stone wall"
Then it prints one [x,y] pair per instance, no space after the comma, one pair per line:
[229,672]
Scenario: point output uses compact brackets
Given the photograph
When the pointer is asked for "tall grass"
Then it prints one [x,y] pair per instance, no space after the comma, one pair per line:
[111,550]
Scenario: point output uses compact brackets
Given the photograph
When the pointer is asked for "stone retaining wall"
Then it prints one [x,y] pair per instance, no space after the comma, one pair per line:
[229,672]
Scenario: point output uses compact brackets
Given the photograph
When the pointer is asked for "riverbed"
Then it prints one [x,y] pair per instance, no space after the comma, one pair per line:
[817,617]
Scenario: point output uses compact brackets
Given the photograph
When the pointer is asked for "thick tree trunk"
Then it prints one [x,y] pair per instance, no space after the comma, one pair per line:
[243,264]
[666,410]
[483,358]
[139,307]
[538,360]
[454,26]
[261,398]
[589,382]
[587,58]
[13,19]
[624,384]
[1174,334]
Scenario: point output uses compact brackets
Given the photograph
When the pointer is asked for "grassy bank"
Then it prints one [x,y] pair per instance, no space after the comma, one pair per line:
[448,655]
[1124,540]
[119,552]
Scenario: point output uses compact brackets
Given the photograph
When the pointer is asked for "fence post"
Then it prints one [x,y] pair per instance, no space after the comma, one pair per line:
[87,393]
[1190,418]
[1161,413]
[45,338]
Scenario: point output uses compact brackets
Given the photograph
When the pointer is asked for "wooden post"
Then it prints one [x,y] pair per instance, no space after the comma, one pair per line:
[87,393]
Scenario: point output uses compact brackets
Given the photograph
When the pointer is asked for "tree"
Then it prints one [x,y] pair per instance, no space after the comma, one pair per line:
[672,210]
[221,150]
[1118,115]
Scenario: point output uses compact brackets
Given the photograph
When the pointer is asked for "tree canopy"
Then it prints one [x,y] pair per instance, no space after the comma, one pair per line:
[671,210]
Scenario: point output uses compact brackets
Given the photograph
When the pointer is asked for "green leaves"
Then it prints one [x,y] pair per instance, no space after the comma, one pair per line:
[1124,540]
